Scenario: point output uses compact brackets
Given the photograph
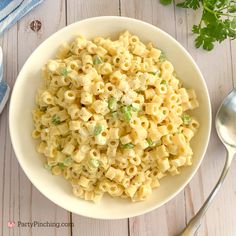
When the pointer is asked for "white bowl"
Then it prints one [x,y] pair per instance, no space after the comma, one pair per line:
[29,79]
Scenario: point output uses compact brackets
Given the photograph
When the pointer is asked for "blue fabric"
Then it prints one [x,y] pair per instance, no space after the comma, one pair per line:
[15,10]
[4,3]
[3,89]
[10,12]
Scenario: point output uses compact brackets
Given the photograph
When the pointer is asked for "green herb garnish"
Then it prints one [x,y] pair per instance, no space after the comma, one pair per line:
[217,21]
[56,120]
[150,142]
[97,60]
[164,82]
[162,56]
[61,165]
[97,130]
[154,72]
[165,2]
[186,119]
[68,161]
[128,146]
[64,72]
[126,111]
[112,103]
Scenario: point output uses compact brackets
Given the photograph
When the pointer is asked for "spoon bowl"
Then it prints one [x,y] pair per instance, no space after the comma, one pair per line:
[226,121]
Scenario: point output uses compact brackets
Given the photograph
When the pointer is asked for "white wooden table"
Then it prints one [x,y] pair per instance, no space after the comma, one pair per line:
[20,201]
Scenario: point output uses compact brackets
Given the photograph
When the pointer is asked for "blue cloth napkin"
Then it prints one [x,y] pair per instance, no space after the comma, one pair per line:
[4,88]
[10,12]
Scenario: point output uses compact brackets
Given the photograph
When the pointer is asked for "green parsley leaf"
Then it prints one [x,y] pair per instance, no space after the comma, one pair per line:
[97,60]
[97,130]
[128,146]
[56,119]
[64,72]
[112,103]
[232,9]
[217,22]
[186,119]
[165,2]
[194,4]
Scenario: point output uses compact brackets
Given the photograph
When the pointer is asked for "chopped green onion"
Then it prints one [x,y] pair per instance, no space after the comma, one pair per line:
[154,72]
[68,161]
[162,56]
[56,120]
[97,60]
[128,146]
[47,167]
[64,72]
[186,119]
[97,130]
[61,165]
[164,82]
[126,110]
[94,163]
[150,142]
[112,103]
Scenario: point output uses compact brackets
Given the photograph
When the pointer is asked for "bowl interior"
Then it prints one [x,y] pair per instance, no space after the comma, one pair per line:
[23,98]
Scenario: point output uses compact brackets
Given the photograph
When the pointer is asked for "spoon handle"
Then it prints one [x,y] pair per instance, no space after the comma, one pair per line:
[196,221]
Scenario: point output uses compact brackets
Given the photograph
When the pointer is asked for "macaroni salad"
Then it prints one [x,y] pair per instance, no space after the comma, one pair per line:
[111,117]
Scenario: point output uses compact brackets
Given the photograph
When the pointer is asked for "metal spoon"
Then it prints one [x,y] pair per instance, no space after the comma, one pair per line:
[226,129]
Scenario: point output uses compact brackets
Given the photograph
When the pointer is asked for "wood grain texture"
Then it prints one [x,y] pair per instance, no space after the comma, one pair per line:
[77,10]
[9,170]
[20,201]
[217,71]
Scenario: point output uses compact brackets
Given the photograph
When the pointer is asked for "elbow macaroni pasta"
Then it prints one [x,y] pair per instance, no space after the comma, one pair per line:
[112,118]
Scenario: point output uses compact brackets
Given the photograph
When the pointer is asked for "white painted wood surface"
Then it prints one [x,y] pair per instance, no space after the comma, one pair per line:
[20,201]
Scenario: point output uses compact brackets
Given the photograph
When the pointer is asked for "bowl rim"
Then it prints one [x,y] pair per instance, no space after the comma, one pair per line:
[127,215]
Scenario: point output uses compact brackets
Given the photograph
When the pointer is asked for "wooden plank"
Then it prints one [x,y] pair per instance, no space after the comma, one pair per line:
[9,170]
[168,219]
[233,56]
[77,10]
[152,12]
[20,201]
[217,70]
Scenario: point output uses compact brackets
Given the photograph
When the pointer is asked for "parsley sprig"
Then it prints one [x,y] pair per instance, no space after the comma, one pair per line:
[218,21]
